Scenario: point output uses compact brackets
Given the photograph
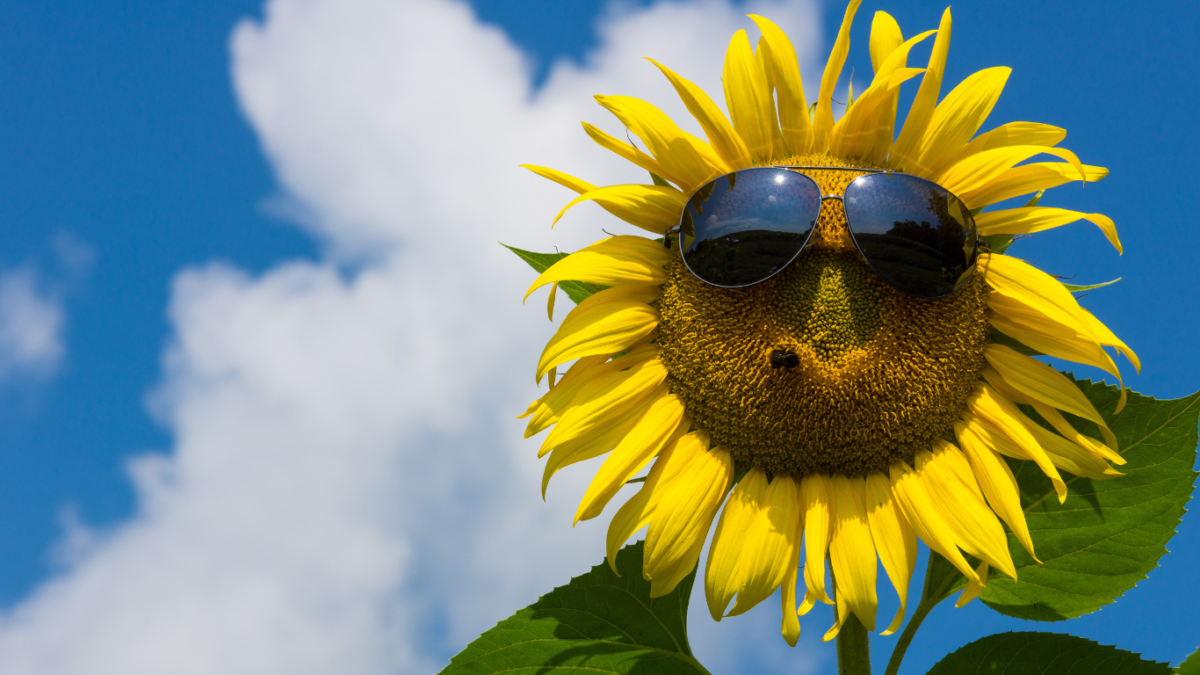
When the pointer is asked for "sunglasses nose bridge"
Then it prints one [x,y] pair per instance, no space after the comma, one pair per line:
[832,232]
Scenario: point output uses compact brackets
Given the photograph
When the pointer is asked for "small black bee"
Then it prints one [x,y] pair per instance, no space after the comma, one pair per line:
[784,359]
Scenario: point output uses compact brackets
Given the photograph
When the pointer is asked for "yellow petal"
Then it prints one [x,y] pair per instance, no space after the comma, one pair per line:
[721,574]
[1004,418]
[1012,133]
[1039,382]
[1086,443]
[952,485]
[602,437]
[611,395]
[856,134]
[1030,219]
[1073,458]
[606,322]
[1018,279]
[762,56]
[585,380]
[686,160]
[628,151]
[635,514]
[658,427]
[668,577]
[973,588]
[614,261]
[748,98]
[1048,336]
[721,135]
[852,550]
[885,38]
[631,517]
[894,540]
[789,90]
[1057,448]
[790,627]
[907,147]
[565,180]
[545,411]
[1027,179]
[550,314]
[841,612]
[981,168]
[886,66]
[1070,451]
[1105,337]
[996,480]
[957,118]
[816,505]
[651,207]
[684,511]
[823,121]
[926,517]
[753,543]
[1023,292]
[768,544]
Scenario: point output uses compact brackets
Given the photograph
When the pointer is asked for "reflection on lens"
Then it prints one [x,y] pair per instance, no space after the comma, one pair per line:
[747,226]
[913,233]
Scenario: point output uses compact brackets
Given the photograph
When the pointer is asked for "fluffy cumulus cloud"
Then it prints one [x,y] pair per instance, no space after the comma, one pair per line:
[31,326]
[348,491]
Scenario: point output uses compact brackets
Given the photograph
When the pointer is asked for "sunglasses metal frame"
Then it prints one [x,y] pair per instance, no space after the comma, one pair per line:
[677,229]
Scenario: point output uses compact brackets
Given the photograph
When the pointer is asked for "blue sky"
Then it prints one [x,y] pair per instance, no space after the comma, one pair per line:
[129,157]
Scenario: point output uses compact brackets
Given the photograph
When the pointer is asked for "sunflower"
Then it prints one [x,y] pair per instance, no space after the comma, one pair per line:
[893,415]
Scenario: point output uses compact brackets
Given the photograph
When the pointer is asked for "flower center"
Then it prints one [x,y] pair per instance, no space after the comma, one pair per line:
[823,368]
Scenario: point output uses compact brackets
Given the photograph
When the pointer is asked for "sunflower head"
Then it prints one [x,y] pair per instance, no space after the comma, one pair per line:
[857,418]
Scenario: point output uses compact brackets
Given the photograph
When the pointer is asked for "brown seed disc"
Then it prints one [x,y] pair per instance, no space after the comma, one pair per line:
[880,374]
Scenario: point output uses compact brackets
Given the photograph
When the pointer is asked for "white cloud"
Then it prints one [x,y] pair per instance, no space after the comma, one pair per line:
[348,491]
[31,326]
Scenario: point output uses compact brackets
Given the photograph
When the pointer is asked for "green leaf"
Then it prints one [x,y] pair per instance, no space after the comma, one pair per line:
[1075,289]
[598,623]
[576,290]
[1108,534]
[1043,654]
[1190,665]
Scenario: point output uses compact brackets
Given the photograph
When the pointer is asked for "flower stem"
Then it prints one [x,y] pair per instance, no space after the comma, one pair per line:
[923,609]
[930,597]
[853,649]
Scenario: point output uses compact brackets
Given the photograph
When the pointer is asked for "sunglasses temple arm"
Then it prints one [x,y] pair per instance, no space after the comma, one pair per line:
[667,235]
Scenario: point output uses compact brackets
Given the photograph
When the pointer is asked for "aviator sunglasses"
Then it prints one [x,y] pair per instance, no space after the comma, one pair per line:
[747,226]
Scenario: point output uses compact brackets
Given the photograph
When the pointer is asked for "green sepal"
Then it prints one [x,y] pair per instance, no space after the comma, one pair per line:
[1108,534]
[576,290]
[1075,289]
[598,623]
[998,243]
[659,180]
[1044,654]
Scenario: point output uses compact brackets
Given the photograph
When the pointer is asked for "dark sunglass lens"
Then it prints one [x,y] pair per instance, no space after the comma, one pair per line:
[914,233]
[744,227]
